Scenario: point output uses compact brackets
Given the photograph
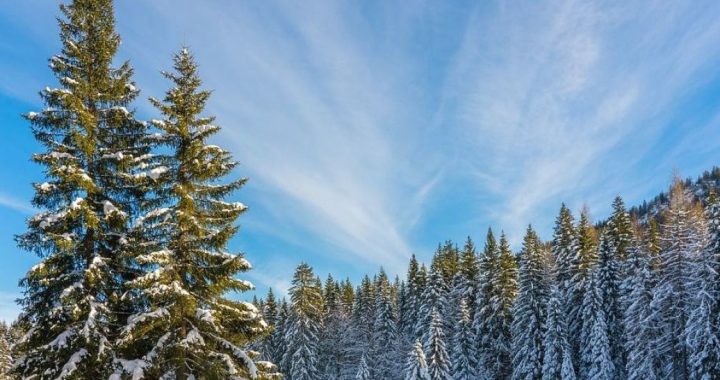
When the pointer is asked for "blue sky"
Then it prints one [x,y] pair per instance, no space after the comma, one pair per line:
[372,130]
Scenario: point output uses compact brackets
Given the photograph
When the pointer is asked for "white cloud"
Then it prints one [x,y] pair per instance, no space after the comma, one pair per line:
[16,204]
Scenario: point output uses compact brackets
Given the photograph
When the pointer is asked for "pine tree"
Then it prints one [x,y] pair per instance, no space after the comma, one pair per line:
[597,361]
[463,350]
[189,328]
[506,292]
[607,281]
[682,236]
[304,325]
[586,259]
[94,149]
[434,297]
[363,372]
[557,361]
[564,249]
[435,349]
[281,333]
[469,268]
[485,322]
[383,354]
[640,322]
[701,330]
[529,312]
[330,352]
[416,367]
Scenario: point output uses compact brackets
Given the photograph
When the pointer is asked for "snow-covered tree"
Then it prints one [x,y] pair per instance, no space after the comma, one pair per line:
[463,353]
[416,366]
[304,325]
[702,329]
[564,249]
[557,361]
[682,238]
[607,281]
[486,322]
[586,259]
[596,359]
[434,297]
[189,328]
[272,342]
[436,350]
[640,321]
[94,147]
[363,372]
[529,312]
[383,348]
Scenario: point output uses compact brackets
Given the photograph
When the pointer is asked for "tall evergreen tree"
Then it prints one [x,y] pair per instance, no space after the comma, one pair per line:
[586,259]
[363,372]
[640,322]
[557,361]
[434,297]
[596,359]
[485,322]
[273,342]
[94,147]
[416,366]
[331,355]
[506,291]
[528,326]
[607,281]
[436,350]
[682,239]
[304,325]
[383,353]
[463,354]
[189,329]
[702,329]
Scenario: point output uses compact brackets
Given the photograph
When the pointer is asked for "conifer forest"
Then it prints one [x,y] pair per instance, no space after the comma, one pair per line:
[135,279]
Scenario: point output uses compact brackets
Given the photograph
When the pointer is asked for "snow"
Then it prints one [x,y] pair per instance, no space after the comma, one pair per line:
[67,291]
[115,156]
[70,81]
[31,115]
[109,209]
[71,365]
[45,187]
[155,173]
[59,155]
[61,340]
[158,123]
[131,87]
[121,109]
[76,203]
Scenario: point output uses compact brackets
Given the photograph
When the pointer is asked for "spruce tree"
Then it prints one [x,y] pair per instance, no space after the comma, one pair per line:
[597,361]
[463,353]
[434,297]
[469,268]
[557,361]
[304,325]
[502,302]
[564,249]
[273,342]
[586,259]
[436,350]
[682,238]
[607,281]
[701,330]
[529,312]
[383,354]
[640,322]
[94,152]
[363,372]
[189,328]
[485,323]
[416,366]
